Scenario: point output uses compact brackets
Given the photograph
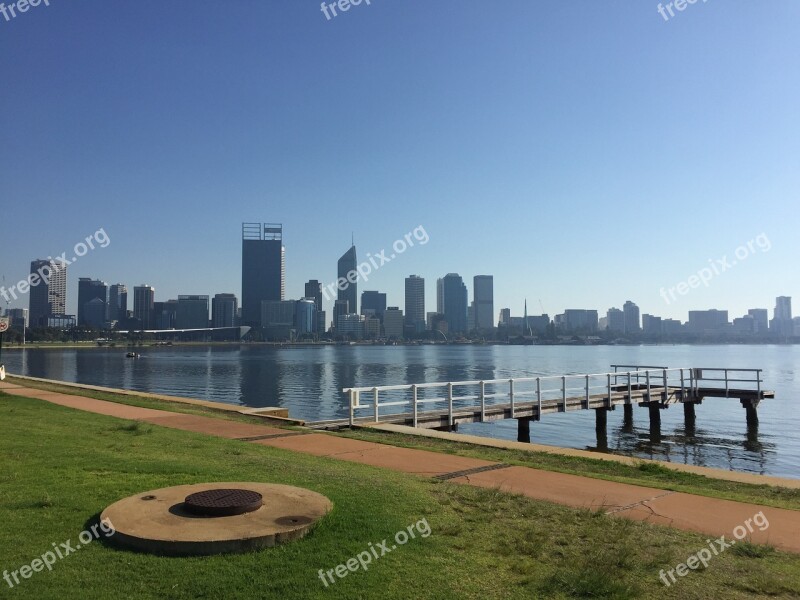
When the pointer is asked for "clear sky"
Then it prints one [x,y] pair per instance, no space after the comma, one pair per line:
[584,153]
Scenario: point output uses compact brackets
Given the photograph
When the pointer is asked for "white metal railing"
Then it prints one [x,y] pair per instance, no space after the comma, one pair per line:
[459,394]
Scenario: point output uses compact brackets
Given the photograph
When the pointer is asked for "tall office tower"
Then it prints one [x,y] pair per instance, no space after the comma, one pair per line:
[223,310]
[144,298]
[374,302]
[782,317]
[314,291]
[440,296]
[263,268]
[415,303]
[454,300]
[346,268]
[340,307]
[117,302]
[483,297]
[305,317]
[89,290]
[632,319]
[49,296]
[192,312]
[615,320]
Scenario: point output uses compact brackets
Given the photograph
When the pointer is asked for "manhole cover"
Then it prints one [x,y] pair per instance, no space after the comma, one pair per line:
[223,503]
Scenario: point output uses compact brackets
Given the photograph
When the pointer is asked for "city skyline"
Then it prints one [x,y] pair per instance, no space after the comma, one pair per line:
[602,183]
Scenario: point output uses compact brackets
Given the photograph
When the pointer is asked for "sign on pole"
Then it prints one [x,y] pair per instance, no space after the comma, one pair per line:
[5,323]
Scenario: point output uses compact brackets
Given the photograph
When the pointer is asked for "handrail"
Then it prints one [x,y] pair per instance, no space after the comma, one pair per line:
[511,389]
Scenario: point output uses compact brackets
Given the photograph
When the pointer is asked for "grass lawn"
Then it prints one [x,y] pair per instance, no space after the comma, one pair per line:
[646,474]
[62,467]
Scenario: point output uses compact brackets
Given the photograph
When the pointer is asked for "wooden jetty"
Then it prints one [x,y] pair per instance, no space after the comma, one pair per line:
[444,405]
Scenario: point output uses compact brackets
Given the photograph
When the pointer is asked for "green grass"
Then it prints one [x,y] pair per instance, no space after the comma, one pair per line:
[144,402]
[61,467]
[644,473]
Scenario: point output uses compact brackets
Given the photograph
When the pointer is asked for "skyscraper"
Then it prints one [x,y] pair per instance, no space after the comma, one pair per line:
[89,290]
[192,312]
[782,321]
[223,310]
[346,269]
[117,302]
[632,318]
[49,296]
[314,290]
[483,297]
[454,301]
[144,298]
[415,303]
[263,268]
[374,302]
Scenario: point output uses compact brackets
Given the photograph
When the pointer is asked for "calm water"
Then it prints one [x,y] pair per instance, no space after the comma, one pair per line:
[308,381]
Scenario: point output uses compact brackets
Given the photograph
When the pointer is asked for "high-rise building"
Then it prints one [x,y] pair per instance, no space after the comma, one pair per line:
[415,303]
[314,291]
[454,300]
[94,313]
[144,297]
[505,317]
[305,316]
[117,302]
[632,319]
[88,290]
[707,321]
[615,320]
[393,323]
[18,317]
[48,297]
[577,320]
[760,318]
[374,302]
[651,325]
[346,269]
[263,268]
[483,298]
[165,314]
[223,310]
[350,326]
[192,312]
[782,317]
[440,296]
[278,313]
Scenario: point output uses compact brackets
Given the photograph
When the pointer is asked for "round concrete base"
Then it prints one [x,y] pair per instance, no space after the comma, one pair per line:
[156,521]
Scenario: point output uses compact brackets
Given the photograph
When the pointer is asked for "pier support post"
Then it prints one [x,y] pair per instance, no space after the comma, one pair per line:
[689,416]
[751,408]
[627,418]
[601,427]
[654,408]
[524,429]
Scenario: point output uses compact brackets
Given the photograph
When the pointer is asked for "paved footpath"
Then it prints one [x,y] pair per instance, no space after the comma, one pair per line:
[710,516]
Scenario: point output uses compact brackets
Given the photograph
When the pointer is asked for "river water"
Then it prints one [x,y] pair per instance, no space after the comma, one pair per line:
[308,381]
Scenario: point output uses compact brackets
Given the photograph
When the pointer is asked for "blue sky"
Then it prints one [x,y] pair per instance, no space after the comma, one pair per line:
[584,153]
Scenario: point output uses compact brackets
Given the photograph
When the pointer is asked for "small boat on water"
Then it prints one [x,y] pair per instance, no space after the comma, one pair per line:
[132,355]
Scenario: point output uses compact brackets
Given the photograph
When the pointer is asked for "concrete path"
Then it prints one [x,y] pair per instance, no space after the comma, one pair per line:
[709,516]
